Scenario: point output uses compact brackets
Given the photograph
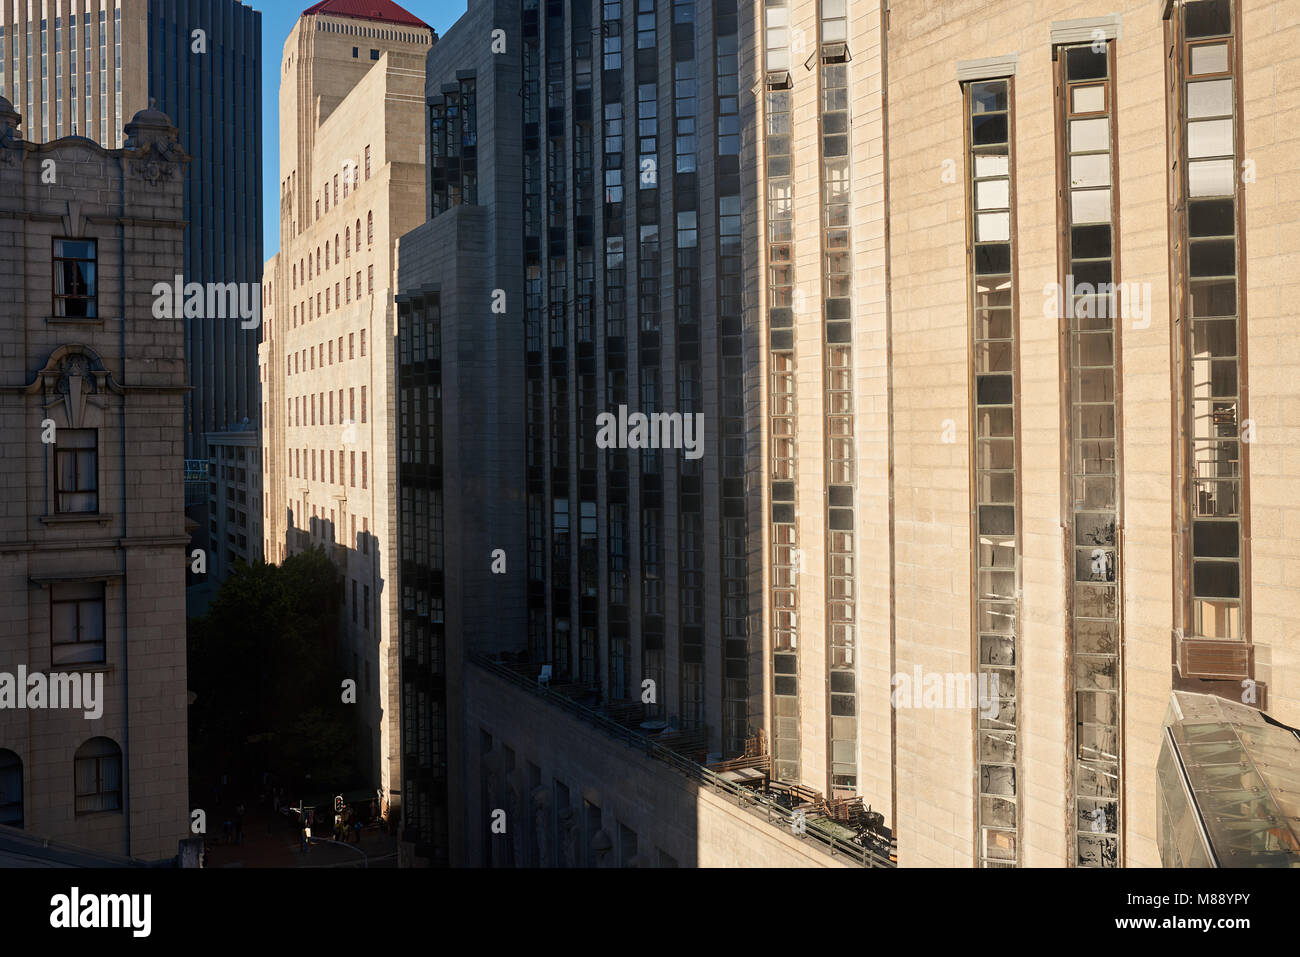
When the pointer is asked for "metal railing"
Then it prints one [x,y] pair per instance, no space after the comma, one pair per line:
[745,797]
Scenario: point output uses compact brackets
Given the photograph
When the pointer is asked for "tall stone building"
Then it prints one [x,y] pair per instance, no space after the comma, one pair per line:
[351,149]
[1091,486]
[544,552]
[980,517]
[92,541]
[84,67]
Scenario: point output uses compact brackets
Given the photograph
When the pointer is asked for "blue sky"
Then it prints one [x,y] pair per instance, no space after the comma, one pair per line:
[278,18]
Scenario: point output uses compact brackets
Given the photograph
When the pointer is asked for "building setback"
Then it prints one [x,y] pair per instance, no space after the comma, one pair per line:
[92,545]
[351,183]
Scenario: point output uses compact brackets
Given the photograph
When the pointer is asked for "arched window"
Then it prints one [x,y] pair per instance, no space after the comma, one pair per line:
[98,773]
[11,789]
[327,254]
[347,242]
[358,235]
[295,275]
[336,249]
[318,260]
[370,228]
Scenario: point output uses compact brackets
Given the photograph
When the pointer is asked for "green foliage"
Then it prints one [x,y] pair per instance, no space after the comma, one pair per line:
[263,665]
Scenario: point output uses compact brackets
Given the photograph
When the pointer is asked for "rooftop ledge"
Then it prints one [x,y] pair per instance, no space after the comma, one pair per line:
[829,824]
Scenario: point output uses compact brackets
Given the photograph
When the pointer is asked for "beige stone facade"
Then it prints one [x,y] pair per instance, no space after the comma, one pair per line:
[92,533]
[351,148]
[842,621]
[932,383]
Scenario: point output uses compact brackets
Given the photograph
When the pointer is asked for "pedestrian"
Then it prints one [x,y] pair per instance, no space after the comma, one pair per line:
[356,828]
[338,827]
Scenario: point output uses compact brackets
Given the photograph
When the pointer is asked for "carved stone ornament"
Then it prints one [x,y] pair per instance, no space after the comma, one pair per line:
[74,381]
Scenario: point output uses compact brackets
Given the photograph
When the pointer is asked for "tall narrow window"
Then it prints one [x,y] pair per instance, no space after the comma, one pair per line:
[74,279]
[76,471]
[782,435]
[1212,610]
[837,356]
[77,623]
[993,430]
[1090,310]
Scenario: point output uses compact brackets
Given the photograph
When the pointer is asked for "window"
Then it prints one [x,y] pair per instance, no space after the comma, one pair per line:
[1090,324]
[994,407]
[77,623]
[370,228]
[1212,616]
[76,467]
[363,404]
[364,471]
[98,773]
[355,53]
[11,777]
[370,284]
[358,243]
[367,162]
[365,605]
[363,343]
[74,279]
[374,54]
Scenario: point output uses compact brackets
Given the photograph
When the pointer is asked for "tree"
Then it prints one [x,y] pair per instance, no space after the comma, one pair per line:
[263,665]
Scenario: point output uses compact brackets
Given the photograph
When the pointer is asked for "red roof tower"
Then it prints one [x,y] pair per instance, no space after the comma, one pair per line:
[380,11]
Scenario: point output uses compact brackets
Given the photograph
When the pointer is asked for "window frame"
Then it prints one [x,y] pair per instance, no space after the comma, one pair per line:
[55,260]
[75,452]
[100,792]
[101,598]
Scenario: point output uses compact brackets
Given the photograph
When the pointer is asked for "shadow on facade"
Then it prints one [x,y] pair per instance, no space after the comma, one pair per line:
[359,651]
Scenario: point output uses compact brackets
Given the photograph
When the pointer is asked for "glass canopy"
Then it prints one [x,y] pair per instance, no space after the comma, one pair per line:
[1229,786]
